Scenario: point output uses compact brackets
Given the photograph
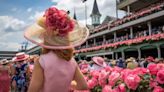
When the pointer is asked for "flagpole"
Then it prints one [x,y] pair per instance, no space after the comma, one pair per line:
[85,14]
[116,9]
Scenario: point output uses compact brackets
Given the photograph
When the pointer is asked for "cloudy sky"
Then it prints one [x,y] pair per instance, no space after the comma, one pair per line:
[16,15]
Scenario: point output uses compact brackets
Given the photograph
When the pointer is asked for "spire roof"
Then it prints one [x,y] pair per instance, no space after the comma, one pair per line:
[95,10]
[74,15]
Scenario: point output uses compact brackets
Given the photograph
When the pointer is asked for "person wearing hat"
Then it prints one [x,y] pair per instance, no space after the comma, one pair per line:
[57,34]
[21,72]
[131,63]
[120,63]
[99,63]
[149,60]
[112,63]
[5,79]
[30,62]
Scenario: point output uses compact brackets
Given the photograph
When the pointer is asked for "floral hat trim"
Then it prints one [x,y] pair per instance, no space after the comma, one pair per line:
[58,21]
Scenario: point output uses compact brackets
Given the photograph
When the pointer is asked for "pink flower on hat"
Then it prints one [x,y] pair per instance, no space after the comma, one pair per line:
[160,76]
[132,81]
[58,20]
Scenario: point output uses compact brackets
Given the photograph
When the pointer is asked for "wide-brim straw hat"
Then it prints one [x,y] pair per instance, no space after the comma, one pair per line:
[21,56]
[131,59]
[99,61]
[113,62]
[4,61]
[38,34]
[157,60]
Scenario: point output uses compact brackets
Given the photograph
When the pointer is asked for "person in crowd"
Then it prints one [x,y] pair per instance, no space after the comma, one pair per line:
[141,62]
[150,60]
[161,60]
[99,63]
[158,60]
[112,63]
[120,63]
[30,61]
[83,64]
[163,28]
[5,79]
[131,63]
[144,63]
[56,68]
[21,72]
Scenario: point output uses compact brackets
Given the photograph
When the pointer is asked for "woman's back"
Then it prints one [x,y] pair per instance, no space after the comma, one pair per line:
[4,74]
[58,73]
[4,79]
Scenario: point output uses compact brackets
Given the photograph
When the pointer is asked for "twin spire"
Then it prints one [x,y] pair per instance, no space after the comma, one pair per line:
[95,15]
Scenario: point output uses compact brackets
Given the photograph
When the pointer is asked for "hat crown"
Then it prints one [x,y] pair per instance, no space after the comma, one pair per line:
[20,55]
[100,61]
[4,61]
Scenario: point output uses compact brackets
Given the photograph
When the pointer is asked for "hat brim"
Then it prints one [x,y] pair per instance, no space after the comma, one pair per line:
[34,32]
[5,63]
[95,59]
[15,59]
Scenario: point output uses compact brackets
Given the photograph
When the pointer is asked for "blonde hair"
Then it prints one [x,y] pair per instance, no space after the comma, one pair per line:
[65,54]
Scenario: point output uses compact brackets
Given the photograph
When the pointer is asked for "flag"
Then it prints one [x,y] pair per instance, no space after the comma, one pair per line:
[84,1]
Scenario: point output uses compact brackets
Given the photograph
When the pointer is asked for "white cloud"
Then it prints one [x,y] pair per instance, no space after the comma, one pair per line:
[8,23]
[29,9]
[11,33]
[10,42]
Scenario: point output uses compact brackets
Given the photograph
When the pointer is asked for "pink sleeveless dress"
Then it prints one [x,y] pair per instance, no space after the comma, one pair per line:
[58,73]
[4,81]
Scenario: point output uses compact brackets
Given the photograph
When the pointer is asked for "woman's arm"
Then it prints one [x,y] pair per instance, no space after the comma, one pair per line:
[79,82]
[37,78]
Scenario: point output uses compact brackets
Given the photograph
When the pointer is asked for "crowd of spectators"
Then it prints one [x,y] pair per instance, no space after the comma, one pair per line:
[138,34]
[130,63]
[133,16]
